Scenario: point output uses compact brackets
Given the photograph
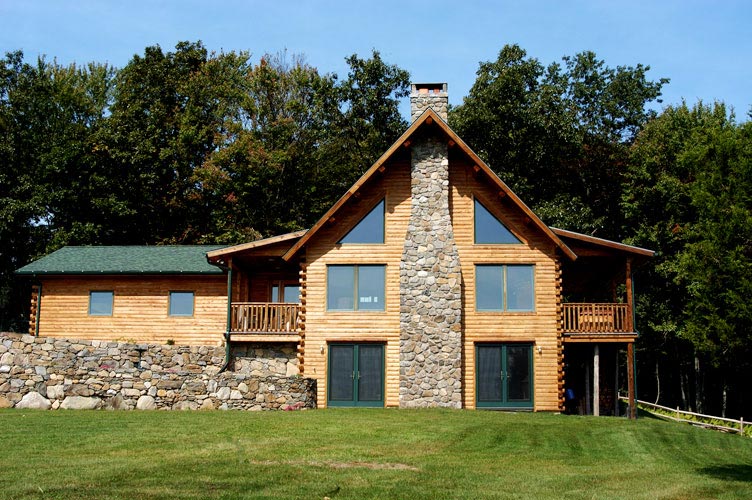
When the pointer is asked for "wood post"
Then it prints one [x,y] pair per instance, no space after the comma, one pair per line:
[630,298]
[616,381]
[631,380]
[596,380]
[587,389]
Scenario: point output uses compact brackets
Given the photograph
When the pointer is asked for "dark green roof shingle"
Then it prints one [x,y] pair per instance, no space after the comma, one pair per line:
[173,259]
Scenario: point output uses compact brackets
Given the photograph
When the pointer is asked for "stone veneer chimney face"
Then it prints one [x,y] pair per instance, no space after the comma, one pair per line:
[430,287]
[428,95]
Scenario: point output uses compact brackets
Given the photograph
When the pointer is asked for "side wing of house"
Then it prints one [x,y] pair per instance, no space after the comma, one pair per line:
[138,294]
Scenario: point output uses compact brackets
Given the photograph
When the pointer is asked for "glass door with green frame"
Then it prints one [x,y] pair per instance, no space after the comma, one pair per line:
[504,376]
[356,375]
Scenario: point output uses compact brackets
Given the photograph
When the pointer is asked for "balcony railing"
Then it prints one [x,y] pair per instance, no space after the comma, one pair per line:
[264,318]
[597,318]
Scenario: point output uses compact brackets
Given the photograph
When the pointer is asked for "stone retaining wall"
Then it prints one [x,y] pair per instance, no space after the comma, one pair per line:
[38,372]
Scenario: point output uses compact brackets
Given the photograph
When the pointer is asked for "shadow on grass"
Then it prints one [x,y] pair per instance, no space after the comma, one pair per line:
[729,472]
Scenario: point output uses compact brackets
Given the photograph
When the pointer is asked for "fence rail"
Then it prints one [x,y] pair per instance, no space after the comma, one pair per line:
[597,318]
[264,317]
[678,415]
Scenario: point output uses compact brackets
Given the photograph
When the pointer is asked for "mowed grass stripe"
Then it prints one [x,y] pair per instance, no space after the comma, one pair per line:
[363,453]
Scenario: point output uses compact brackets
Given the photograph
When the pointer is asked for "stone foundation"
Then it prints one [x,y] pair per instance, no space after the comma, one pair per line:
[38,372]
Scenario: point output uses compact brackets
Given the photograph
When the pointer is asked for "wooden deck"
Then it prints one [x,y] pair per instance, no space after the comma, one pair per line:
[276,319]
[594,322]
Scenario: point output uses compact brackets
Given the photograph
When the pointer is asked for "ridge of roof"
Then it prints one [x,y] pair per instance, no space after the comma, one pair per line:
[429,116]
[124,259]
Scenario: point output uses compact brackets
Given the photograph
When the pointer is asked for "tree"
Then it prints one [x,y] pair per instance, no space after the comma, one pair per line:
[50,192]
[558,135]
[686,196]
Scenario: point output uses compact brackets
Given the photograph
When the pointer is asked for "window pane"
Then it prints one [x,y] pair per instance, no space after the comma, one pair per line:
[370,229]
[181,303]
[518,373]
[340,287]
[341,373]
[520,293]
[370,372]
[489,373]
[292,294]
[488,288]
[100,303]
[488,229]
[371,282]
[275,294]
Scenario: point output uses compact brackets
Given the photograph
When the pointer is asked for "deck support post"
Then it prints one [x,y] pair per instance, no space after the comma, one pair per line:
[596,380]
[616,381]
[631,380]
[587,390]
[228,352]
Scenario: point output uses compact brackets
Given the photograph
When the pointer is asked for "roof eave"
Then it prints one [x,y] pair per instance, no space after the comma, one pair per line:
[615,245]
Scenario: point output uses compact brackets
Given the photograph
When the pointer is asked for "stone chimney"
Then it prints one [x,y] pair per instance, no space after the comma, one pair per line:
[430,272]
[428,95]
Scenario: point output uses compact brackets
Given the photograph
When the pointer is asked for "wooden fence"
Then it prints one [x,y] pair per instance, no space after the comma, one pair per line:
[688,417]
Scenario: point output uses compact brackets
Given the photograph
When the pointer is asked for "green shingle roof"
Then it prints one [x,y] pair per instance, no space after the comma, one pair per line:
[175,259]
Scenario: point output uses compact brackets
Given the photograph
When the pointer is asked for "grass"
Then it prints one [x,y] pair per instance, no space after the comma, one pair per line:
[363,453]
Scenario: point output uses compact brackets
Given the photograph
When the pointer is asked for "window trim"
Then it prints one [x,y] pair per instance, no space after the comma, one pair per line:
[169,304]
[112,302]
[504,290]
[356,277]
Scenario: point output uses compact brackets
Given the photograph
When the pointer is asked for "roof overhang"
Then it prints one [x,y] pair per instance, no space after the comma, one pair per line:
[608,247]
[222,254]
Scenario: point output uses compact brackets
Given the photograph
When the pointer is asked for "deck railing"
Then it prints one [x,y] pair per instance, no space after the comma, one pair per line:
[597,318]
[264,317]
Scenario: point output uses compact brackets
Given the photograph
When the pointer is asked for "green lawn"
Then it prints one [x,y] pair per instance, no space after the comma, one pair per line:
[363,453]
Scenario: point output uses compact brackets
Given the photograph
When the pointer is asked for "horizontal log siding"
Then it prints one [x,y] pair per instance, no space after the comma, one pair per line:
[322,326]
[539,327]
[140,309]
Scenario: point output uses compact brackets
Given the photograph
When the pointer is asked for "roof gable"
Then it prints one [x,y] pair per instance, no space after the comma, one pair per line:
[430,118]
[101,260]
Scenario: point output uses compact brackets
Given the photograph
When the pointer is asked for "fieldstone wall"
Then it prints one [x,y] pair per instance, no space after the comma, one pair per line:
[51,373]
[430,287]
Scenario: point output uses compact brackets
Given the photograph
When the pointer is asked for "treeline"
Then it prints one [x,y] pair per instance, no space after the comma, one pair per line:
[196,147]
[179,147]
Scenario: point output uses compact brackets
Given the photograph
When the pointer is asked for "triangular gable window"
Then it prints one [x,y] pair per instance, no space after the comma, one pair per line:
[370,229]
[489,229]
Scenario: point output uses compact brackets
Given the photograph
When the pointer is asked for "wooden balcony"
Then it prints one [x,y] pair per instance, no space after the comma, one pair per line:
[275,320]
[598,321]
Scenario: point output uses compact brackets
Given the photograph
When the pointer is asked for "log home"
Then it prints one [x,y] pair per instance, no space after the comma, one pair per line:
[429,283]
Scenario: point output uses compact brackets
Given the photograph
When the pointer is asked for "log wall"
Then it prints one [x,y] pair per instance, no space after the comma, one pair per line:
[539,327]
[140,309]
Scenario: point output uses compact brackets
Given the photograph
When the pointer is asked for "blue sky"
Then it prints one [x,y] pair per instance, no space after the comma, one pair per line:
[704,47]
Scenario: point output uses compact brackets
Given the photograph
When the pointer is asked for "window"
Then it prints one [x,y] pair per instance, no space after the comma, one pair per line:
[100,303]
[181,303]
[284,292]
[370,229]
[504,287]
[355,288]
[489,229]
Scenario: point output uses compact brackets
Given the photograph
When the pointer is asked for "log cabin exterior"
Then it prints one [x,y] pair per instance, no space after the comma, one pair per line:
[429,283]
